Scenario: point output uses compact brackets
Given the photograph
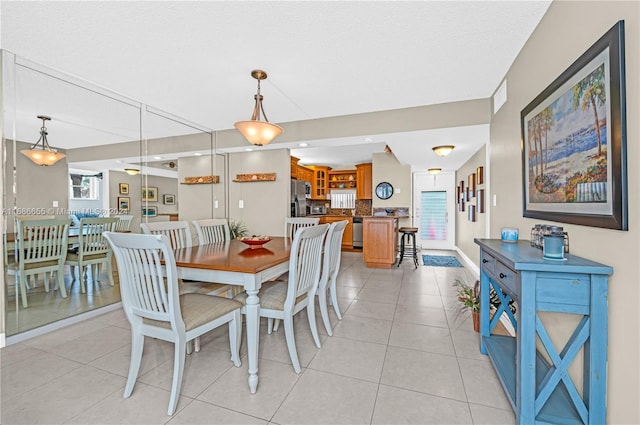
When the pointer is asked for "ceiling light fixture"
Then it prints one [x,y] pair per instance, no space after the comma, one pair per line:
[434,170]
[256,131]
[43,155]
[443,150]
[131,171]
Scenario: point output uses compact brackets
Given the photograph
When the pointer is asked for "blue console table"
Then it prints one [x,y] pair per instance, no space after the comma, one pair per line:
[541,391]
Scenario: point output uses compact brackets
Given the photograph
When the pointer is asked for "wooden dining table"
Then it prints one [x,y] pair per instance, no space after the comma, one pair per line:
[235,263]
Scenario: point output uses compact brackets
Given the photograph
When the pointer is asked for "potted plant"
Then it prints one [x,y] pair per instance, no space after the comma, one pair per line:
[237,229]
[469,298]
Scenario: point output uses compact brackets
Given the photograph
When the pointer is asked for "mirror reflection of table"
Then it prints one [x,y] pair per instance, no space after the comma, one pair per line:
[235,263]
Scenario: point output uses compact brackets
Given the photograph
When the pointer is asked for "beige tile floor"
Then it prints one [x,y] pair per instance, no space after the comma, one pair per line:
[401,355]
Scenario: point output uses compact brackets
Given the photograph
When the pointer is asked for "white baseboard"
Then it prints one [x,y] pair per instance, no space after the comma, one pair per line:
[13,339]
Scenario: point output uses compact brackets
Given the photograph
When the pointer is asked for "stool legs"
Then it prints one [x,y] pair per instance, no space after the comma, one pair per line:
[407,238]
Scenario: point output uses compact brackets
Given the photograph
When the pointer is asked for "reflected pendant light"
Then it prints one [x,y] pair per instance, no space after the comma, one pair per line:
[42,154]
[131,171]
[256,131]
[443,150]
[434,170]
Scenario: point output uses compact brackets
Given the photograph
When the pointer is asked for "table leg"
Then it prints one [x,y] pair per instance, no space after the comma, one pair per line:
[253,337]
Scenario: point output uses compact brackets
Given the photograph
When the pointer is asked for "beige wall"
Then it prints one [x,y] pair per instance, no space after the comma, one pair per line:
[198,201]
[266,204]
[467,230]
[567,30]
[387,168]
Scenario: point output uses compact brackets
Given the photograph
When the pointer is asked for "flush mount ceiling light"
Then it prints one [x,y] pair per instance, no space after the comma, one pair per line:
[443,150]
[42,155]
[131,171]
[256,131]
[434,170]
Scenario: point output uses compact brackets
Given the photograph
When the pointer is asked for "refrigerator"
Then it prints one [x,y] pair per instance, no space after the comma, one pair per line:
[298,198]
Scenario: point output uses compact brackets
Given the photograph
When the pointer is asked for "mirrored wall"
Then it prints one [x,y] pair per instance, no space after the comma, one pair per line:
[122,158]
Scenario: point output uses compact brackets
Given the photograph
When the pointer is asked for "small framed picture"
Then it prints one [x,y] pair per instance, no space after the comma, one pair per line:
[149,211]
[149,194]
[124,188]
[168,199]
[123,203]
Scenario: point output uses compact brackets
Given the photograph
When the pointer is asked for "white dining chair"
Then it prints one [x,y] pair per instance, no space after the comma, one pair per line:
[154,307]
[284,299]
[178,232]
[124,223]
[292,224]
[92,251]
[212,230]
[332,253]
[41,247]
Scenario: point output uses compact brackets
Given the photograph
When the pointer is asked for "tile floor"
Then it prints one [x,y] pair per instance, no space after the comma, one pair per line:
[401,355]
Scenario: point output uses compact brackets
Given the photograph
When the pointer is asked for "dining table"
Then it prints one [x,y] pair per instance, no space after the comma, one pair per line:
[235,263]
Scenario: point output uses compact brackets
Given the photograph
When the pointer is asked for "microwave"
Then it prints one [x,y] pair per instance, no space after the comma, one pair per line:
[318,209]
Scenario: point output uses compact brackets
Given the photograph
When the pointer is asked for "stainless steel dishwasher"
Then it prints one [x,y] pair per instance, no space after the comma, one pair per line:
[357,232]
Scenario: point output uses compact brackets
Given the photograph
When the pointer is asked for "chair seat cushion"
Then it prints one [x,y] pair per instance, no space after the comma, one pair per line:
[30,266]
[203,288]
[198,309]
[272,295]
[73,256]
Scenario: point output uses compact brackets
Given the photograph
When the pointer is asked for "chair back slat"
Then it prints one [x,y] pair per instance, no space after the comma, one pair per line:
[305,262]
[124,223]
[42,240]
[292,224]
[332,250]
[90,236]
[212,230]
[177,232]
[145,291]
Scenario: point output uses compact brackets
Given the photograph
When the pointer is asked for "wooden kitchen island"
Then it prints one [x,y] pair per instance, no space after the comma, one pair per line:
[380,241]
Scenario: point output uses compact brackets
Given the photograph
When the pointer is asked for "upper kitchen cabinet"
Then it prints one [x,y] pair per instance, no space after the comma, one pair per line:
[319,183]
[305,174]
[364,175]
[294,167]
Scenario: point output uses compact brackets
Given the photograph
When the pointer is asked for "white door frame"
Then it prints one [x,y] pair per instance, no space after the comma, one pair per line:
[424,182]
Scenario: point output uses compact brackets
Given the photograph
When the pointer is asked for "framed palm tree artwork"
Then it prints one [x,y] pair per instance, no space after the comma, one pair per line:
[574,167]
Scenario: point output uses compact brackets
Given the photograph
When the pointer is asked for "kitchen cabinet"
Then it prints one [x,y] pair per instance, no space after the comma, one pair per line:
[294,167]
[541,391]
[347,237]
[319,183]
[380,241]
[305,174]
[364,176]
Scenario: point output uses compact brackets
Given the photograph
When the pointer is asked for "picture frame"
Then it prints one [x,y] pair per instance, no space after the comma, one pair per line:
[471,186]
[168,199]
[123,188]
[574,160]
[149,211]
[480,201]
[149,194]
[472,213]
[124,203]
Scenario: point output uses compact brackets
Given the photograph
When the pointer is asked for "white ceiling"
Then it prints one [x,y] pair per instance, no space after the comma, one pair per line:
[324,58]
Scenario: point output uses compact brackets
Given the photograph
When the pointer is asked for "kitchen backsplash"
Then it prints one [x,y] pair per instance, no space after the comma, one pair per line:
[363,207]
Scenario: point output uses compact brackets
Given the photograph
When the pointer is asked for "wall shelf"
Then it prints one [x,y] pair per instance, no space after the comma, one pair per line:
[256,177]
[201,180]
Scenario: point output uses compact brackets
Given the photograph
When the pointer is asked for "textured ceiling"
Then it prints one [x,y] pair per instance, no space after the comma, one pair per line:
[324,58]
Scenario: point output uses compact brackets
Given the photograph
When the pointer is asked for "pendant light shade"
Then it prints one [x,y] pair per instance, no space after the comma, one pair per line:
[443,150]
[256,131]
[131,171]
[434,170]
[42,154]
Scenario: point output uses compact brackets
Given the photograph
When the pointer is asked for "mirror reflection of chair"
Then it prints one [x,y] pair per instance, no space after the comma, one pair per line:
[41,247]
[92,251]
[156,309]
[178,232]
[282,300]
[124,223]
[212,230]
[292,224]
[330,268]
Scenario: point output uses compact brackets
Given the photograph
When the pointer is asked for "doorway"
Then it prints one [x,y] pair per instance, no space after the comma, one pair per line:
[433,207]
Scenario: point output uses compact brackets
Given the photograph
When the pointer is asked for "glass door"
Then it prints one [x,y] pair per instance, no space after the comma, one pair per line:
[434,210]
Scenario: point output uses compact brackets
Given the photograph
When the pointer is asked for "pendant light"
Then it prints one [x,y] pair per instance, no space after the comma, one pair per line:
[42,155]
[131,171]
[443,150]
[256,131]
[434,170]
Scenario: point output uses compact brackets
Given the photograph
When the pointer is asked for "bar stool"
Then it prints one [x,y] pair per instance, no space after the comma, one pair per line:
[407,237]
